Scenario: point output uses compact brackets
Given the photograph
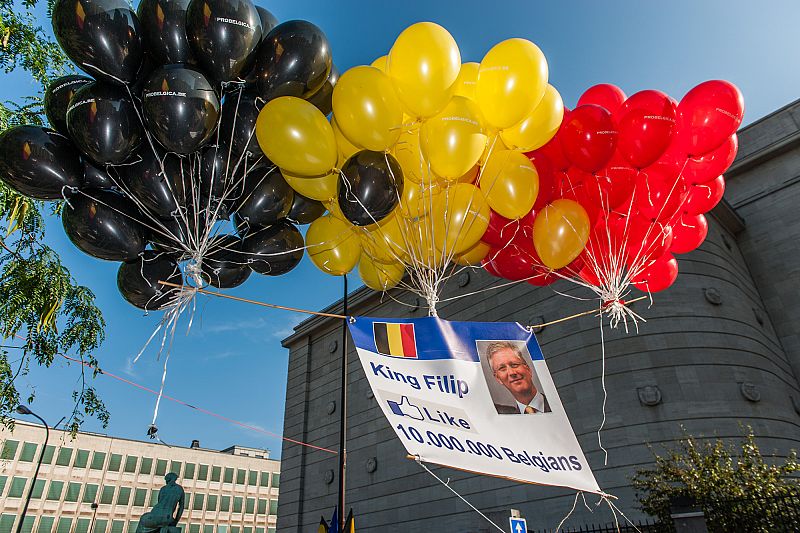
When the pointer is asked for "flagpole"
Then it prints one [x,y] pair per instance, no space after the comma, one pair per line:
[343,413]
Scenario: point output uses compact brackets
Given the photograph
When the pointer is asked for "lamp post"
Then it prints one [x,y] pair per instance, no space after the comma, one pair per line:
[23,410]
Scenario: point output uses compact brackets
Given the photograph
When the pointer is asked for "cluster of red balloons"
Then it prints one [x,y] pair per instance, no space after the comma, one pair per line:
[645,168]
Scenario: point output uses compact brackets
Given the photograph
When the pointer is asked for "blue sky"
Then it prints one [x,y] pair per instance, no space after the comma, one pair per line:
[231,362]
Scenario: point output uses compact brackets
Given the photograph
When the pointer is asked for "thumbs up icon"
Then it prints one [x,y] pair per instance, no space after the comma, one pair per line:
[405,408]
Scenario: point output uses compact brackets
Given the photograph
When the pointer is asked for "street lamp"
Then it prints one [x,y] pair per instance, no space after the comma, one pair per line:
[23,410]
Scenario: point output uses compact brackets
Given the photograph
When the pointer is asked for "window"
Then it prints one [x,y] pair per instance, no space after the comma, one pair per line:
[98,460]
[114,462]
[202,472]
[54,490]
[9,450]
[215,473]
[252,478]
[3,480]
[130,464]
[264,479]
[124,496]
[259,530]
[262,506]
[276,479]
[73,492]
[224,503]
[247,529]
[38,489]
[269,530]
[82,525]
[132,526]
[222,529]
[7,522]
[211,504]
[117,526]
[90,493]
[237,504]
[28,452]
[208,529]
[81,459]
[46,524]
[240,476]
[198,502]
[188,472]
[64,525]
[273,507]
[175,466]
[153,497]
[17,488]
[250,506]
[100,526]
[139,496]
[228,475]
[234,529]
[161,467]
[108,495]
[194,528]
[146,466]
[63,459]
[47,457]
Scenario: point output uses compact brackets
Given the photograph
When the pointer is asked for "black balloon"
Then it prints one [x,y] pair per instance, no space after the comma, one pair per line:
[305,210]
[178,236]
[39,163]
[237,127]
[139,280]
[268,21]
[323,98]
[275,249]
[180,108]
[164,30]
[159,182]
[267,197]
[101,36]
[294,60]
[105,225]
[225,265]
[96,178]
[370,187]
[103,123]
[57,97]
[224,35]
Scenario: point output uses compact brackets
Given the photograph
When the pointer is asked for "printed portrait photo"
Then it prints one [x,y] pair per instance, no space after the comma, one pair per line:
[513,384]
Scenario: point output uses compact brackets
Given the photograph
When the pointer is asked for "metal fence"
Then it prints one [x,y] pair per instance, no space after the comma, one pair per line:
[648,526]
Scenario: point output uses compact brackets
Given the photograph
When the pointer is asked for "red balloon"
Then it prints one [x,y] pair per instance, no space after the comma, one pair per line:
[642,240]
[588,137]
[616,182]
[658,199]
[502,231]
[588,275]
[646,122]
[512,262]
[658,275]
[547,180]
[573,269]
[702,198]
[605,95]
[583,188]
[707,167]
[552,150]
[709,114]
[543,277]
[689,232]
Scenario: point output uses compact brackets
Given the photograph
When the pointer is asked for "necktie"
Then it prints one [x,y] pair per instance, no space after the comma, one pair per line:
[529,410]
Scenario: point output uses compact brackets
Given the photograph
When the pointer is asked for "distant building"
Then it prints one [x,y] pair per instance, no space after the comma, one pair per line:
[720,349]
[102,484]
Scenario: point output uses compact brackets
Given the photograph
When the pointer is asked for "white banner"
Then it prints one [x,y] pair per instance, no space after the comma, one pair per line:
[474,396]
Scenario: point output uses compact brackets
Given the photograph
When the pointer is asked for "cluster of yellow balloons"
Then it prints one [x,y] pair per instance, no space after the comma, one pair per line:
[458,132]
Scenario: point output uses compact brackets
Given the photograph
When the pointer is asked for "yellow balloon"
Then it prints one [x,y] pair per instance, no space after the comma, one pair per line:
[380,276]
[473,256]
[332,205]
[409,154]
[424,63]
[322,189]
[511,81]
[459,218]
[346,148]
[380,63]
[367,109]
[539,126]
[494,143]
[418,198]
[453,140]
[386,241]
[422,251]
[296,136]
[467,80]
[510,182]
[470,176]
[560,232]
[332,245]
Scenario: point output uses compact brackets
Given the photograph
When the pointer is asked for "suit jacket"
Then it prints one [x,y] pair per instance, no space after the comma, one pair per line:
[504,409]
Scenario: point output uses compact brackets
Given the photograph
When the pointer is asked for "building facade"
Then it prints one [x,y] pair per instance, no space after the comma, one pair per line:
[720,349]
[101,484]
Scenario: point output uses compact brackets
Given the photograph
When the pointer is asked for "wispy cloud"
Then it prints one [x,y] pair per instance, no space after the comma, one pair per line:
[260,327]
[129,368]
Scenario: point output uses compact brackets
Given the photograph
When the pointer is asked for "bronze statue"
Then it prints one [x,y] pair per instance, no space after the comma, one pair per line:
[162,518]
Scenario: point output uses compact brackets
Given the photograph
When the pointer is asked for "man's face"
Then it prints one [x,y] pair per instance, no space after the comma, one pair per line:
[512,372]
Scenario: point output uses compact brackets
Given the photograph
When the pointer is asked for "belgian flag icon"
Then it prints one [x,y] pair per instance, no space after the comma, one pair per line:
[396,340]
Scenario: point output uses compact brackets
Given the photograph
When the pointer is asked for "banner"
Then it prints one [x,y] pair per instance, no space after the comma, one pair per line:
[475,396]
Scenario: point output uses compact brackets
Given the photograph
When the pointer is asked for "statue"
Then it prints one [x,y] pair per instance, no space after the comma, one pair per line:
[160,519]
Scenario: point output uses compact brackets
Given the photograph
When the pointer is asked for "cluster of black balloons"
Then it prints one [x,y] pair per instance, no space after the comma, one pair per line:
[157,151]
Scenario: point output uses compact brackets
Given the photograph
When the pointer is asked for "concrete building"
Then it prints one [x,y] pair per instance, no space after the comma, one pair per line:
[720,348]
[101,484]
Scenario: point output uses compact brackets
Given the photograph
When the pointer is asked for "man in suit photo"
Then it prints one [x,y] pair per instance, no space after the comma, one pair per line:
[511,370]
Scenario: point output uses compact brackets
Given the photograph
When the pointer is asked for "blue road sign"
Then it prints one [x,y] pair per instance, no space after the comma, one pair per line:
[518,525]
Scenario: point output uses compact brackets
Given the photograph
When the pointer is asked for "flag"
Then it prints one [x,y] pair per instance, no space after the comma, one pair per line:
[350,524]
[396,340]
[323,526]
[334,527]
